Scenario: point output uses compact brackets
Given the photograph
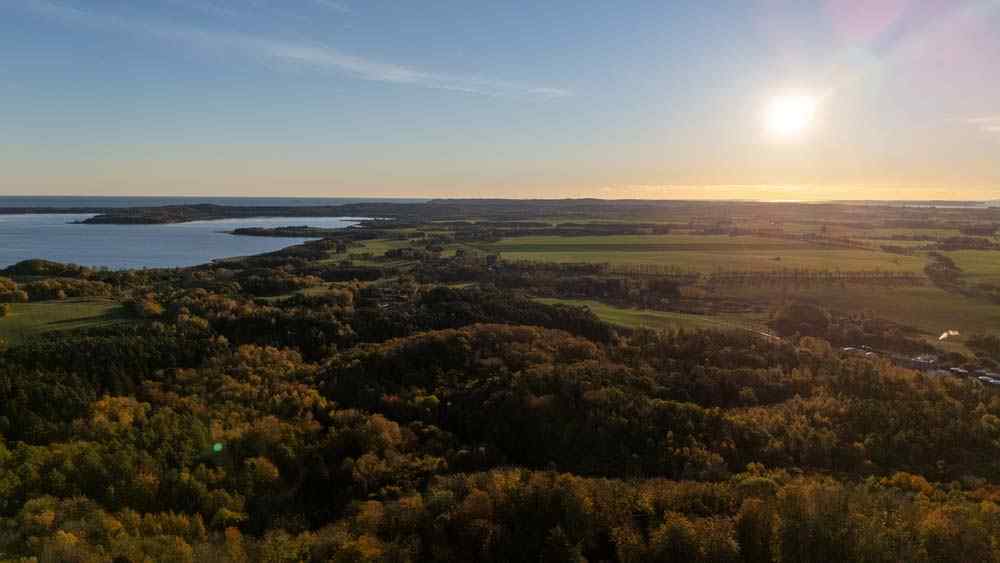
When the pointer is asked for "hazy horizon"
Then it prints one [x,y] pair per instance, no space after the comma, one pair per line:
[416,199]
[766,100]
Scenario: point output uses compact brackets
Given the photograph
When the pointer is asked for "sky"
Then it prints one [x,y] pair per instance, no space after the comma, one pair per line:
[450,98]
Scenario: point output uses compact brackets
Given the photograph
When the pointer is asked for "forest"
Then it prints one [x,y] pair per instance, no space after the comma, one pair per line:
[406,390]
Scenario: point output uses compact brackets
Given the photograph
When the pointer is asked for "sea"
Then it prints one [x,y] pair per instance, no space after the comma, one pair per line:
[59,237]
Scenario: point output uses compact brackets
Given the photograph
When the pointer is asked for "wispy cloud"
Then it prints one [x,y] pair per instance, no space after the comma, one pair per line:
[313,55]
[988,123]
[214,9]
[334,5]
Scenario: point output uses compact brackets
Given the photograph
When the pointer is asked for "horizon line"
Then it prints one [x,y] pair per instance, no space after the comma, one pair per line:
[477,198]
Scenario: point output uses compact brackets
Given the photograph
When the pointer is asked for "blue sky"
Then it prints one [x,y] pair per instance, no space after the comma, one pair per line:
[486,99]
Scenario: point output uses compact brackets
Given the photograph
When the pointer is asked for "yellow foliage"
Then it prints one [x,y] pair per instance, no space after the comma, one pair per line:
[370,515]
[262,470]
[909,482]
[114,415]
[478,505]
[45,518]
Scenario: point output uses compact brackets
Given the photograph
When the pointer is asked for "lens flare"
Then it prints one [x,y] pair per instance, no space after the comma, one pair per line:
[788,116]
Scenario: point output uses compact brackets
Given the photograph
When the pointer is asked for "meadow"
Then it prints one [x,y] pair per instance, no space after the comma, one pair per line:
[978,266]
[702,253]
[929,310]
[31,319]
[657,320]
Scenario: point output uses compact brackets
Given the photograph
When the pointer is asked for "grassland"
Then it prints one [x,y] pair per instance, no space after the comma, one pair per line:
[876,242]
[376,247]
[379,247]
[888,233]
[314,291]
[658,320]
[30,319]
[928,309]
[701,253]
[978,266]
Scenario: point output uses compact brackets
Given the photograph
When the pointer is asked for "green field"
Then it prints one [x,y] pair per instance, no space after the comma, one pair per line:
[378,247]
[888,233]
[701,253]
[929,309]
[877,242]
[29,319]
[657,320]
[978,266]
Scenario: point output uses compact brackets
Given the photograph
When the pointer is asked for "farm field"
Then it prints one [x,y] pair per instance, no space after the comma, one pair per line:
[377,248]
[876,242]
[978,266]
[701,253]
[888,233]
[30,319]
[645,318]
[928,309]
[314,291]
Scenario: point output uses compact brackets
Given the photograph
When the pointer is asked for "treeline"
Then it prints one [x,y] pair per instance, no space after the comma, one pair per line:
[805,278]
[963,243]
[784,276]
[56,288]
[943,271]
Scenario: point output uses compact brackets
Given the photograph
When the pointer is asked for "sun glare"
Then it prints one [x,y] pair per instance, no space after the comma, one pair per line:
[788,116]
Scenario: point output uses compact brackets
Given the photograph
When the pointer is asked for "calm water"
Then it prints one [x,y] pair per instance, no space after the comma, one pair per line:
[132,201]
[54,237]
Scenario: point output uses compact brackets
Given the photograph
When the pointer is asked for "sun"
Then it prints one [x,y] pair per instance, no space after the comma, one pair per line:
[789,116]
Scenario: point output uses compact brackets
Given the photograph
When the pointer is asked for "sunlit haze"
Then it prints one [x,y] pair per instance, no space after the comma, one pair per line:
[755,99]
[788,116]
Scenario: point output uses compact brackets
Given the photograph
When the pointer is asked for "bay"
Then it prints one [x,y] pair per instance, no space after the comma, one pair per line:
[56,237]
[155,201]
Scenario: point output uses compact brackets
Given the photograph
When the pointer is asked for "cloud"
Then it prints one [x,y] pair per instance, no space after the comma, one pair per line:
[214,9]
[340,7]
[989,124]
[312,55]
